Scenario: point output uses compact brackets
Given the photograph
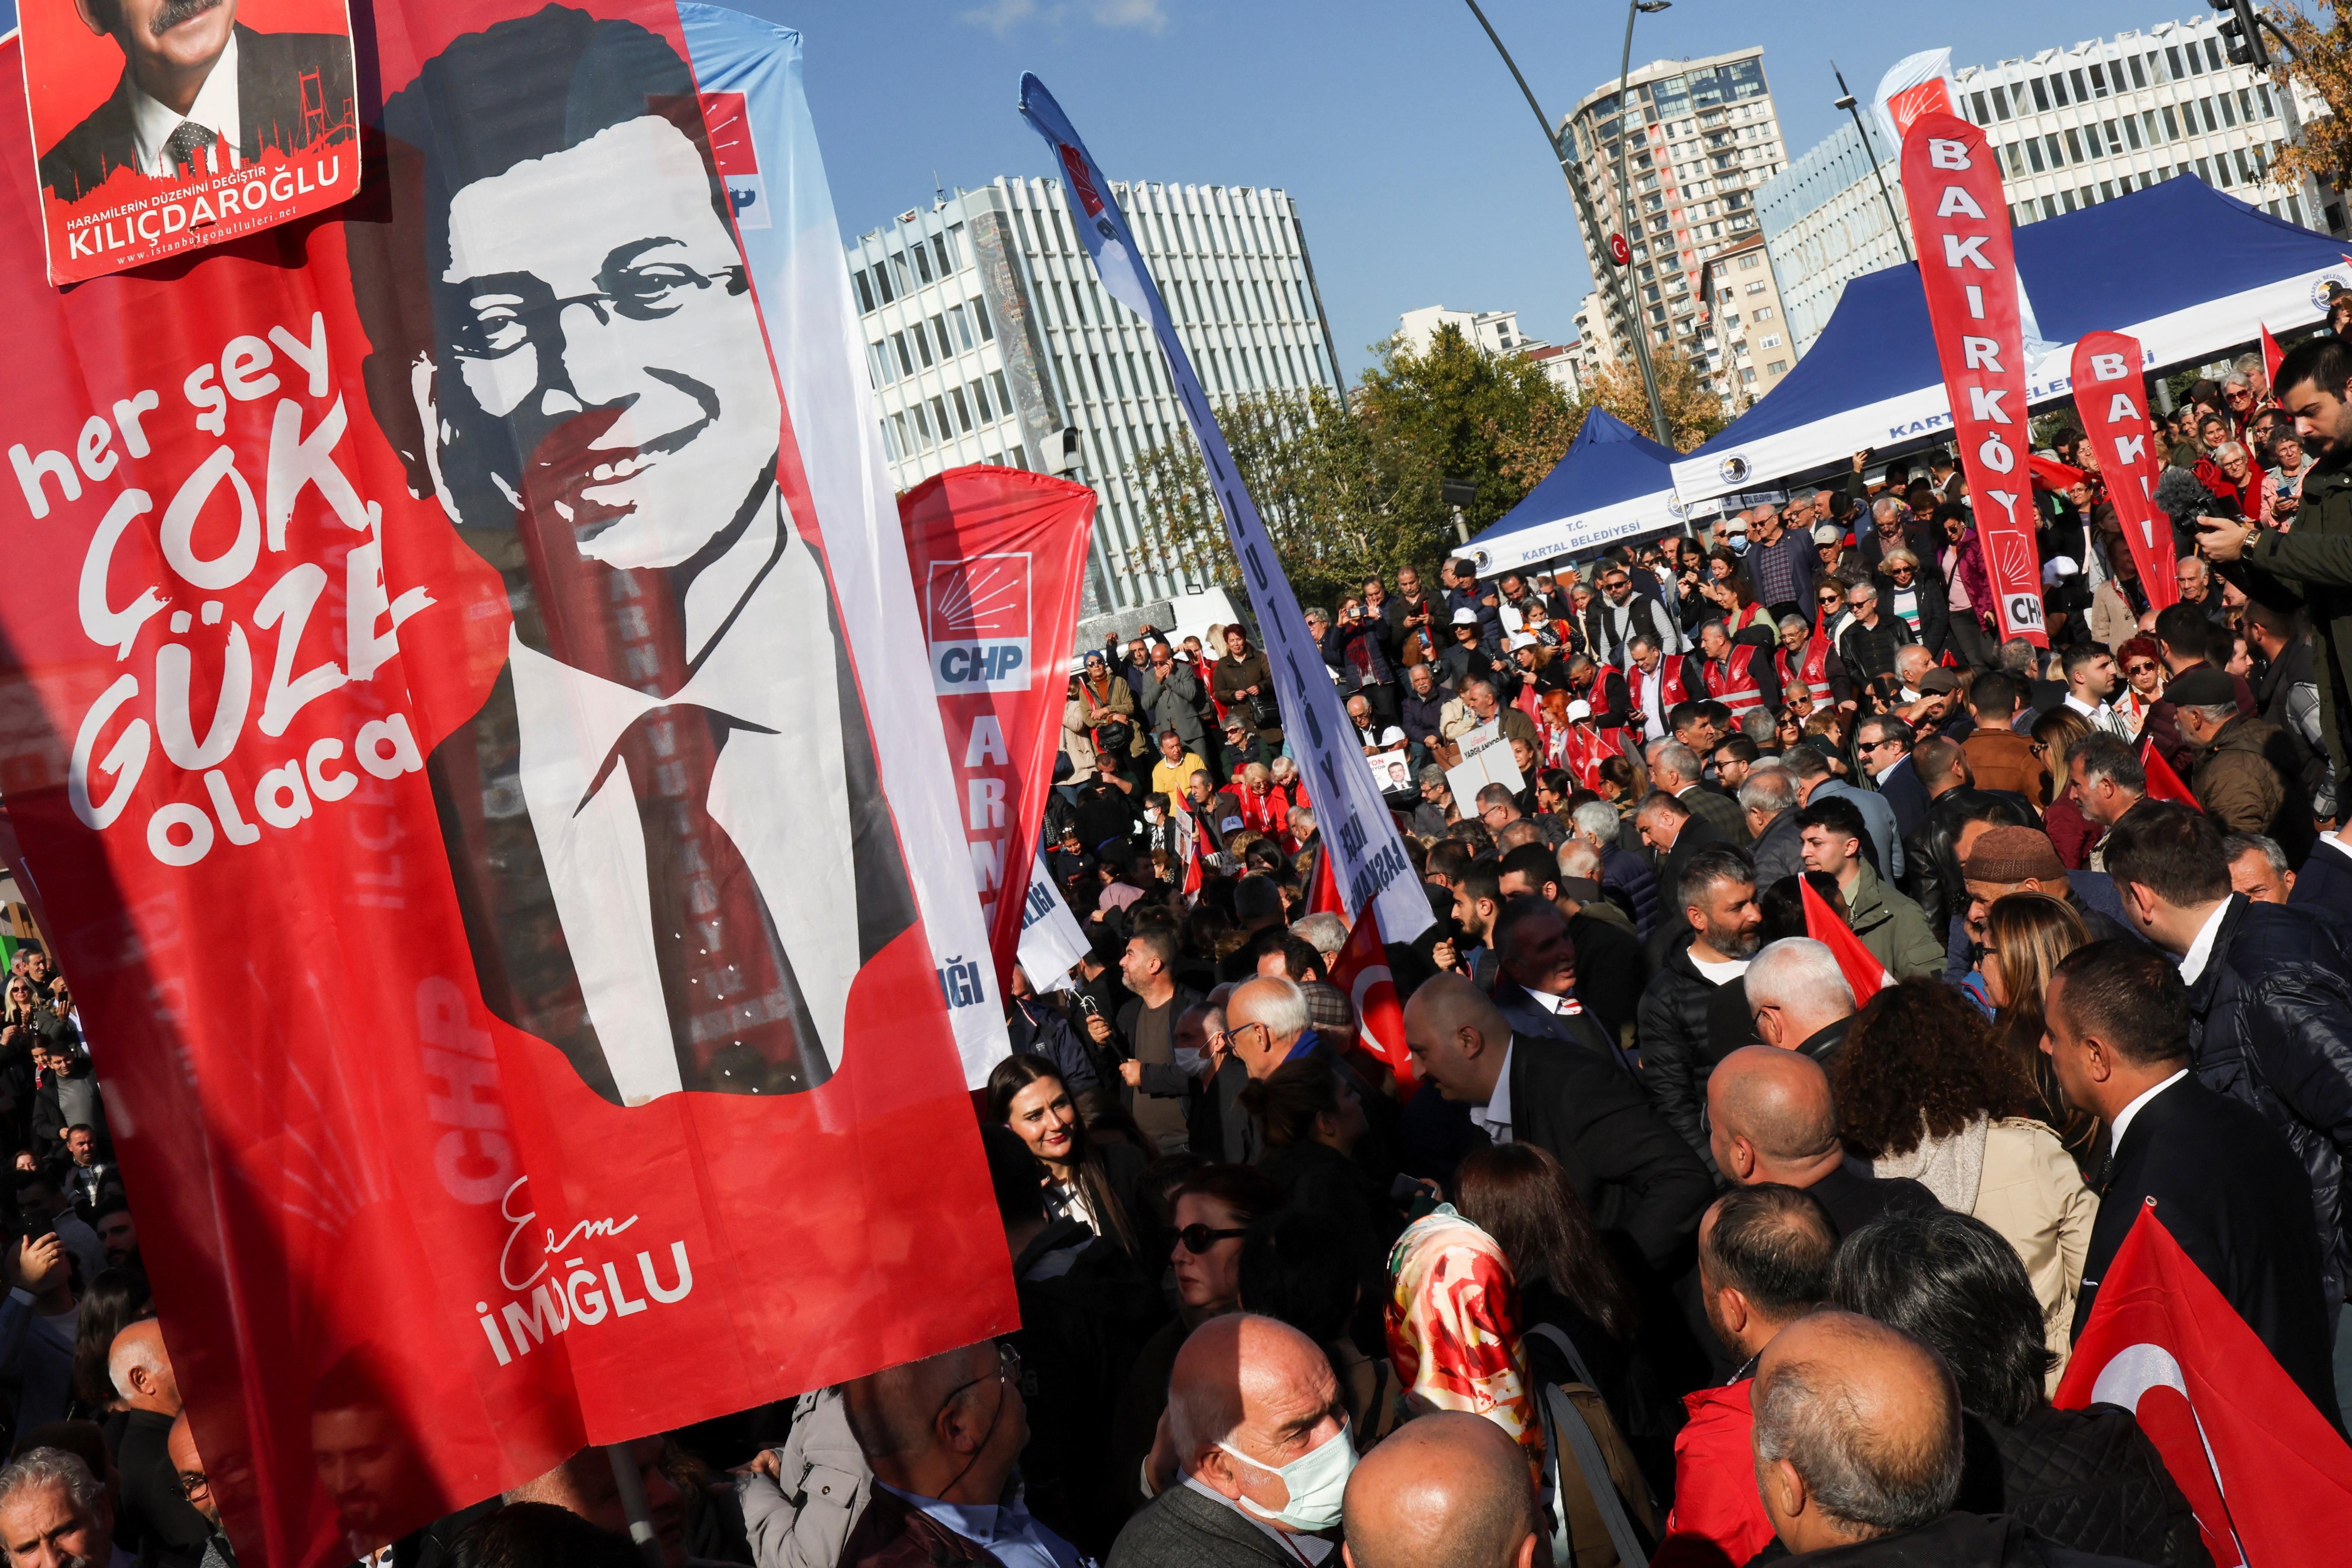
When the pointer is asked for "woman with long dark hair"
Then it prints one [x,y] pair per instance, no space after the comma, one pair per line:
[1026,1093]
[1519,1194]
[2026,936]
[112,1302]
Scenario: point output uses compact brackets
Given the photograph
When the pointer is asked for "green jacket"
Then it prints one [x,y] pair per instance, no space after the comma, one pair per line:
[1892,927]
[2311,569]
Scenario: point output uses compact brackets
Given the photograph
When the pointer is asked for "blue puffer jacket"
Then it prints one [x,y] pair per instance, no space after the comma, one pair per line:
[2272,1026]
[1624,868]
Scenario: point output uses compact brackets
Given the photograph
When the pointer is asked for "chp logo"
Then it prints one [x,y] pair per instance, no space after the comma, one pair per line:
[731,148]
[976,620]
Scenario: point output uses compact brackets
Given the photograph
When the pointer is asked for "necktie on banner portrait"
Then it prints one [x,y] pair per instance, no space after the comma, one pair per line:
[998,558]
[437,602]
[749,74]
[1369,863]
[2111,395]
[270,130]
[2270,1478]
[1960,217]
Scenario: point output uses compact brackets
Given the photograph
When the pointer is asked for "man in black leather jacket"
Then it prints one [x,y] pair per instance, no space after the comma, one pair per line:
[1718,889]
[1931,866]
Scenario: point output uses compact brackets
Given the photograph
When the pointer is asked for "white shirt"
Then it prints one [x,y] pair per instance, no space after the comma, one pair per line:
[1495,1116]
[2192,963]
[2103,717]
[1005,1531]
[1308,1549]
[2335,843]
[215,108]
[782,798]
[1379,740]
[1653,690]
[1722,971]
[2123,1117]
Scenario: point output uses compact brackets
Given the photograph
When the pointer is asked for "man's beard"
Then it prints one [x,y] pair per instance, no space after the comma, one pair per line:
[175,12]
[1737,944]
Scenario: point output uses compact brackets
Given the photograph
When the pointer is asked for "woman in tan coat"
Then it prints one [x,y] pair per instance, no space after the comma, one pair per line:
[1925,1091]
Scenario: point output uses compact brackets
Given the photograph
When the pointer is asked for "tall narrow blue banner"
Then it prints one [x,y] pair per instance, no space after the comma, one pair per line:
[1357,831]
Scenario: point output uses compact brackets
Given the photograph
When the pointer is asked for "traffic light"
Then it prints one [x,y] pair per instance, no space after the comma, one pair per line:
[2241,34]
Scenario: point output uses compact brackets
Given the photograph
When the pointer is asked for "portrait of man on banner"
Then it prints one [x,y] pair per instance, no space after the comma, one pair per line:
[665,824]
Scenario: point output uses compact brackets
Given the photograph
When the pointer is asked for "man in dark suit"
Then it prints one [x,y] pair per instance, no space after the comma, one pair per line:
[2324,882]
[2223,1182]
[1632,1170]
[1884,745]
[200,95]
[1248,1397]
[1556,970]
[1673,833]
[681,888]
[1770,1119]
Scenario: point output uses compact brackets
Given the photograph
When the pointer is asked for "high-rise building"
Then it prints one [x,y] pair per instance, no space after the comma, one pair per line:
[1745,305]
[1498,332]
[1704,137]
[989,340]
[2071,127]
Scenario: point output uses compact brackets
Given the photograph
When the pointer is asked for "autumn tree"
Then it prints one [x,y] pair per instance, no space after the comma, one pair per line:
[2318,53]
[1694,412]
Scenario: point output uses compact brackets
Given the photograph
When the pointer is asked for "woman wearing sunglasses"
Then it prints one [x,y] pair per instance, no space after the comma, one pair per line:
[1083,1181]
[2142,682]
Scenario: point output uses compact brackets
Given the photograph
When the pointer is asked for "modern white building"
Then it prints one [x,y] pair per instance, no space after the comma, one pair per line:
[1704,136]
[1498,332]
[989,340]
[2071,126]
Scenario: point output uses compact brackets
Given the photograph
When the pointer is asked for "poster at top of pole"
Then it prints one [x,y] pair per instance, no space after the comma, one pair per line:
[165,128]
[1355,823]
[1913,86]
[1967,265]
[467,744]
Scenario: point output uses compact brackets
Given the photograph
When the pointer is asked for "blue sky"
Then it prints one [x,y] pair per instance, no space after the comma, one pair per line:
[1418,172]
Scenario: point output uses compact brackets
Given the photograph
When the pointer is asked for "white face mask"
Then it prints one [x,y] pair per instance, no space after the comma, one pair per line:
[1187,1062]
[1317,1481]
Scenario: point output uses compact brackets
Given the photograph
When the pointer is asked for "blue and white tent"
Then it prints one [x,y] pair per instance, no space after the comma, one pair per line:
[2187,270]
[1612,484]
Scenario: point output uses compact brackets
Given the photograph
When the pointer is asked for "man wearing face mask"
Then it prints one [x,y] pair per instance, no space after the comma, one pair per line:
[1262,1446]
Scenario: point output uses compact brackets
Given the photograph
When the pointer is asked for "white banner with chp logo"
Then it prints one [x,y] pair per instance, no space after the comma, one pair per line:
[1925,414]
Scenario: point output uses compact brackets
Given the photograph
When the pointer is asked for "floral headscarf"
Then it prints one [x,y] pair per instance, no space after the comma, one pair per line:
[1453,1325]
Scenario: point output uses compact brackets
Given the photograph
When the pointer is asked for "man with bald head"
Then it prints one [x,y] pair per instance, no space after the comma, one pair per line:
[1770,1119]
[1262,1450]
[154,1513]
[1764,1257]
[1858,1450]
[1446,1490]
[1632,1171]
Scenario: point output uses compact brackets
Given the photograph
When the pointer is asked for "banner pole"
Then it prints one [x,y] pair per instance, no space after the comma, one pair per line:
[632,1488]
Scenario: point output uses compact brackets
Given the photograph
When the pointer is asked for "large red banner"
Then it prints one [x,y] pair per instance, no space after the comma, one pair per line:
[1967,265]
[998,558]
[437,745]
[2111,395]
[2270,1478]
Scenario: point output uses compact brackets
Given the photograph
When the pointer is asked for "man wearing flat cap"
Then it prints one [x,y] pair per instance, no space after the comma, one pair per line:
[2236,772]
[1997,861]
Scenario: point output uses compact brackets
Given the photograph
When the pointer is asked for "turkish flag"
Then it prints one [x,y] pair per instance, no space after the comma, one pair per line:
[2272,355]
[2163,784]
[1323,891]
[2271,1480]
[1824,925]
[1362,970]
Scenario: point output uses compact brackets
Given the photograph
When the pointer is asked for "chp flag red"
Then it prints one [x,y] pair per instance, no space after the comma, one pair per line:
[472,602]
[2111,395]
[998,558]
[1369,867]
[1967,265]
[2269,1477]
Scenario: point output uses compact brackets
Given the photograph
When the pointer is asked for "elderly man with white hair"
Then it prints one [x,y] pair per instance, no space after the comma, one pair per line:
[1800,998]
[54,1514]
[1255,1455]
[1768,799]
[1596,823]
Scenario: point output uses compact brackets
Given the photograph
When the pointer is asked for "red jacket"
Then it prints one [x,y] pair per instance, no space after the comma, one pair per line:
[1717,1518]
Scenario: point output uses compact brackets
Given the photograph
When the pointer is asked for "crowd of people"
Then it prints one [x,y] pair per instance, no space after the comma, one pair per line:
[1669,1241]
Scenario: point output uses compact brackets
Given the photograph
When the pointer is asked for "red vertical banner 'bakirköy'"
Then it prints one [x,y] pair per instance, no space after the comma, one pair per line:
[436,748]
[1959,219]
[2111,395]
[998,558]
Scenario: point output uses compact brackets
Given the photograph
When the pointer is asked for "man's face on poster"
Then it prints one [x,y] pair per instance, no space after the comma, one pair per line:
[163,39]
[601,364]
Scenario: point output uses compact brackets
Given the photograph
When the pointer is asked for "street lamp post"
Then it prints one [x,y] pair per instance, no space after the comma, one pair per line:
[1625,224]
[1870,151]
[1640,348]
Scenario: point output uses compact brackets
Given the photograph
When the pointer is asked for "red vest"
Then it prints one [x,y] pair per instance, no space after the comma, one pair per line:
[1735,686]
[1814,671]
[1670,666]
